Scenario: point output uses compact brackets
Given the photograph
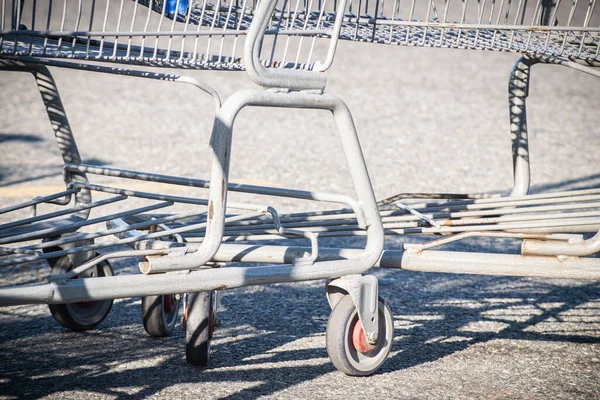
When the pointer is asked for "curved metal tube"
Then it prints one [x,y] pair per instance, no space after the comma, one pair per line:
[274,77]
[518,90]
[221,145]
[531,247]
[134,73]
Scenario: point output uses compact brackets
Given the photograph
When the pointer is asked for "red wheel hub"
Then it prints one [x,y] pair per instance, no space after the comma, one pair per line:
[359,339]
[169,303]
[86,304]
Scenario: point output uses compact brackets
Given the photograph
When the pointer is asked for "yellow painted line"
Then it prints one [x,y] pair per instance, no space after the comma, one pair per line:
[26,191]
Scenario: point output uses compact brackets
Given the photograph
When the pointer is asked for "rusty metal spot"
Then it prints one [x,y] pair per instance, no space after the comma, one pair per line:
[211,210]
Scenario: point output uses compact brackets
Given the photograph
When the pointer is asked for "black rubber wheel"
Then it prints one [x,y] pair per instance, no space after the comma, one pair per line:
[159,314]
[199,327]
[52,261]
[347,347]
[84,315]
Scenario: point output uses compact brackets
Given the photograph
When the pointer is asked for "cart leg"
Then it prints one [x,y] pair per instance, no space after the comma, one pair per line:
[159,314]
[363,290]
[200,318]
[373,336]
[59,122]
[360,329]
[518,90]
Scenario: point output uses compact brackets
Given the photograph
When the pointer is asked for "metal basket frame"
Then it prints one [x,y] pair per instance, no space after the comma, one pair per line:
[209,34]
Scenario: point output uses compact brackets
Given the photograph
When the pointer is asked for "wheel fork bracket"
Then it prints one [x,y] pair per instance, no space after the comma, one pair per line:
[364,292]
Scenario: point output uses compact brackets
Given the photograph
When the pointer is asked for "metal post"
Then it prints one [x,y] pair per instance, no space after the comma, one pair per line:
[518,90]
[60,125]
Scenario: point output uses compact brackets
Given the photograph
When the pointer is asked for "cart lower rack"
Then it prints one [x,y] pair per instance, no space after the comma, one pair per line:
[545,222]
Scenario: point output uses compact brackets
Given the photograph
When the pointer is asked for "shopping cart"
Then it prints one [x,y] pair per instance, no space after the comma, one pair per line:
[194,245]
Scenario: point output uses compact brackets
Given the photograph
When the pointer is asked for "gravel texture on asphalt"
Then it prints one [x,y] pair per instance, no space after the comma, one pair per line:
[428,120]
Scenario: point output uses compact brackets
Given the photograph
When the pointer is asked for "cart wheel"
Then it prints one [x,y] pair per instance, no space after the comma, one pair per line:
[347,344]
[159,314]
[84,315]
[52,261]
[199,326]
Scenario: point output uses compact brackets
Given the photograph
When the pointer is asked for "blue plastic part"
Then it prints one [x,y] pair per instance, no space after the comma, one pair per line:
[171,7]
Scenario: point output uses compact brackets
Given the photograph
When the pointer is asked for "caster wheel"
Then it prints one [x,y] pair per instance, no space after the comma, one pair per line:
[199,326]
[84,315]
[159,314]
[347,344]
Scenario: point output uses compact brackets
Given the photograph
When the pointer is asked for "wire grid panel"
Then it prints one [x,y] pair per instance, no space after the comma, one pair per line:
[210,34]
[540,27]
[176,33]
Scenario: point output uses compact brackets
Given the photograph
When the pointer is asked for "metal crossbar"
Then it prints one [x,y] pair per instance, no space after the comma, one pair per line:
[539,215]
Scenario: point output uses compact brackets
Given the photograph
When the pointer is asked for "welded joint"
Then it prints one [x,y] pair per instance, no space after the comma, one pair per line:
[178,251]
[278,90]
[175,236]
[33,208]
[306,259]
[284,90]
[146,244]
[364,292]
[414,248]
[315,92]
[417,214]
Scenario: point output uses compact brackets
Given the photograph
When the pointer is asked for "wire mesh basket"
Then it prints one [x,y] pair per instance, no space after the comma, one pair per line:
[203,35]
[210,35]
[544,27]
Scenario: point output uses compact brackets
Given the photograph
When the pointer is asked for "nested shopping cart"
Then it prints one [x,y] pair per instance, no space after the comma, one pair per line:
[189,247]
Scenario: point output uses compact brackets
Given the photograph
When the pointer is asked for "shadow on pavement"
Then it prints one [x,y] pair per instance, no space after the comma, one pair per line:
[19,137]
[581,183]
[435,315]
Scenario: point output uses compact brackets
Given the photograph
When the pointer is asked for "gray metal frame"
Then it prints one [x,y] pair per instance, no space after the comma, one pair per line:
[518,91]
[60,125]
[190,251]
[206,34]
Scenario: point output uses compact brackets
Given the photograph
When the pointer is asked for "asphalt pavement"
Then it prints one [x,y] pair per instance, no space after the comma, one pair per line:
[429,120]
